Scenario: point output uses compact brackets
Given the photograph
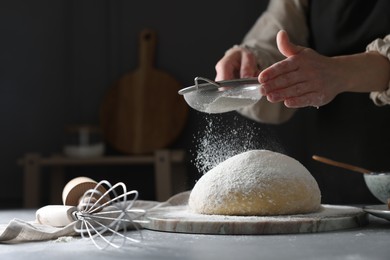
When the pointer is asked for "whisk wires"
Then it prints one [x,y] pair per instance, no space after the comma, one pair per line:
[100,216]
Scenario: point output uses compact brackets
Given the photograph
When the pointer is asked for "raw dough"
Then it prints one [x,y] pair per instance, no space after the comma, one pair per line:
[256,182]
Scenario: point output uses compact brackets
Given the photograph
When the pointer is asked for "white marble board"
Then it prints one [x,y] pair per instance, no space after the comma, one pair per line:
[329,218]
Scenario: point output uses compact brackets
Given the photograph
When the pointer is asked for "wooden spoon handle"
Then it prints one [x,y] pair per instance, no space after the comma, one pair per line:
[340,164]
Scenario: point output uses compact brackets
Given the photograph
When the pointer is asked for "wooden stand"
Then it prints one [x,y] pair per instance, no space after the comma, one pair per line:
[169,169]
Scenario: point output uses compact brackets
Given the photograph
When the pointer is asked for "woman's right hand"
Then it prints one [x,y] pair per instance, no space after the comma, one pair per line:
[238,62]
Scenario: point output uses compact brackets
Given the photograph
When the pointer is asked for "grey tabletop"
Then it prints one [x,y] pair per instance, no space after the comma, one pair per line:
[368,242]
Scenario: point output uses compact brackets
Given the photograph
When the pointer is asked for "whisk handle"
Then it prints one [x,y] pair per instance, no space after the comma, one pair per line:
[56,215]
[75,189]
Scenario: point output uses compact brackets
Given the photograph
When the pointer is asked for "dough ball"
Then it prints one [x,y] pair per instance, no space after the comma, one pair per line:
[256,183]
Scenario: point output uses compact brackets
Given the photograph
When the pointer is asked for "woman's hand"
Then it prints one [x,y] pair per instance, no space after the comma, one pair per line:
[306,78]
[238,62]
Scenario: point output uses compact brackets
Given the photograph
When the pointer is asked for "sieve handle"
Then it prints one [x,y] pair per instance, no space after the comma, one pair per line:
[205,79]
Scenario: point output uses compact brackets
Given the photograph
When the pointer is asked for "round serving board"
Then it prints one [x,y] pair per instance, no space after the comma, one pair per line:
[180,219]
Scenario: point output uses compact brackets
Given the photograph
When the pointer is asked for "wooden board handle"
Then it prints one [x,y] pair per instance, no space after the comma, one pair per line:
[147,46]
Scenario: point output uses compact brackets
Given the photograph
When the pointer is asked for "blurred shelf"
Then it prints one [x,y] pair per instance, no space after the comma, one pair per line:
[169,167]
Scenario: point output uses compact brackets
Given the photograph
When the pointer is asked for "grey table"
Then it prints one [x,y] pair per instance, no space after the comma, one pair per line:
[369,242]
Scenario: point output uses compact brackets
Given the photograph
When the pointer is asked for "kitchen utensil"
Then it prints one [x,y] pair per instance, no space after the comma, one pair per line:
[341,164]
[377,182]
[97,219]
[56,215]
[142,112]
[379,185]
[83,141]
[104,211]
[380,211]
[75,189]
[221,96]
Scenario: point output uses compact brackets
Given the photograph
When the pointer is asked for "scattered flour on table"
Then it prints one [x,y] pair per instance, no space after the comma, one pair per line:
[64,239]
[182,213]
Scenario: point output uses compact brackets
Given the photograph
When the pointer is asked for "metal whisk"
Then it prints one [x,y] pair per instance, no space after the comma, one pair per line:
[100,216]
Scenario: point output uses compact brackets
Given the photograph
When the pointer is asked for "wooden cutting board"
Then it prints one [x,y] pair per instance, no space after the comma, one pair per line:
[329,218]
[142,111]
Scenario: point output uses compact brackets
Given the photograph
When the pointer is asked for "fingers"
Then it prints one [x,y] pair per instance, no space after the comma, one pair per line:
[279,75]
[224,69]
[288,49]
[293,91]
[300,95]
[237,63]
[285,46]
[248,65]
[312,99]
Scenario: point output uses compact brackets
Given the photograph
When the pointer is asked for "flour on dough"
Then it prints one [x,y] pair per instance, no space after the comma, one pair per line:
[257,183]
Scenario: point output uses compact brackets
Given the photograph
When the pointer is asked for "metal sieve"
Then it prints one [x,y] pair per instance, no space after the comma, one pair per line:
[221,96]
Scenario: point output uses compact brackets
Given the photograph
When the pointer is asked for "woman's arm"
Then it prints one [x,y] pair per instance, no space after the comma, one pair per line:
[258,51]
[306,78]
[290,16]
[382,47]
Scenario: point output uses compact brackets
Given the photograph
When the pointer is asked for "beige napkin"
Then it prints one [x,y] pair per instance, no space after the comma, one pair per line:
[18,231]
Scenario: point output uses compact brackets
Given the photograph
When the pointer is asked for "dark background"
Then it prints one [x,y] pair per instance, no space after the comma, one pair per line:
[58,57]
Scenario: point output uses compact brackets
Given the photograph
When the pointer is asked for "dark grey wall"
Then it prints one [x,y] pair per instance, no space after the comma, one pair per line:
[58,57]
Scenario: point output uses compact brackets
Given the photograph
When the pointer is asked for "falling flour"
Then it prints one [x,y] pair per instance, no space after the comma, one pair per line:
[222,137]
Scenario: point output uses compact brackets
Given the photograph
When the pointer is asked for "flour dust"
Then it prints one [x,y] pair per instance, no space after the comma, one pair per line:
[224,137]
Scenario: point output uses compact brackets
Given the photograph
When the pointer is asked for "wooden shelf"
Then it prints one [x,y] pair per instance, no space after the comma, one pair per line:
[163,161]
